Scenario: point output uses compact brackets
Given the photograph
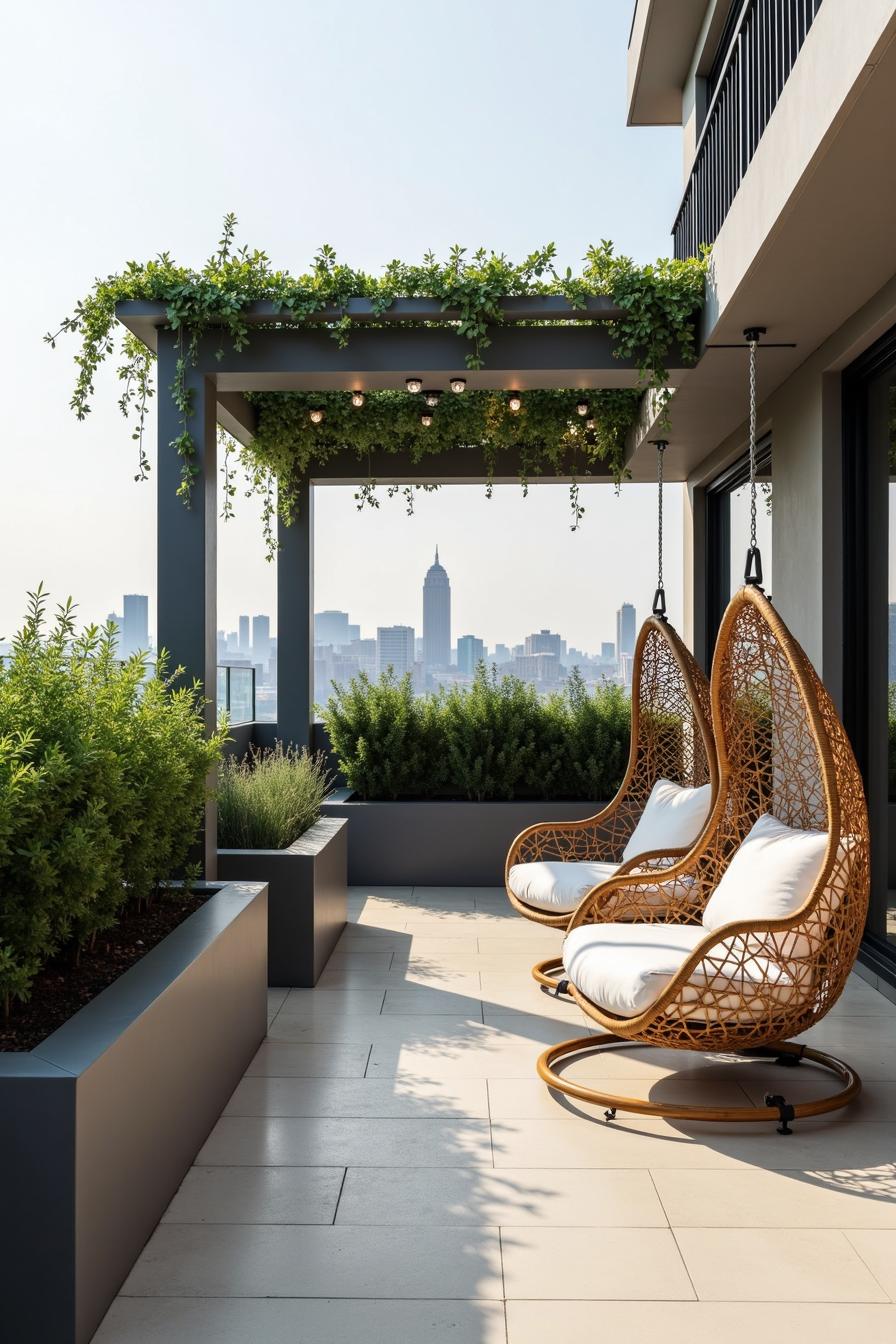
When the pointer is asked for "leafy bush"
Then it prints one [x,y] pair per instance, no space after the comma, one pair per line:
[270,798]
[102,785]
[493,740]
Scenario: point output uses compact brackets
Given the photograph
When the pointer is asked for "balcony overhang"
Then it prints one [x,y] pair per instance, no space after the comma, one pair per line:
[808,241]
[661,48]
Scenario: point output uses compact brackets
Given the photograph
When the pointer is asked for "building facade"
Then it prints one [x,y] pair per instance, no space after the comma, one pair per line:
[788,115]
[135,624]
[395,649]
[436,617]
[470,653]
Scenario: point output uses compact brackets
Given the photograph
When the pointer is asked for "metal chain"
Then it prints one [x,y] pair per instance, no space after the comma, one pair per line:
[753,345]
[660,448]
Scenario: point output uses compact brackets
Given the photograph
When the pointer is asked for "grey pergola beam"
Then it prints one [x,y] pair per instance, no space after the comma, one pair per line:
[143,317]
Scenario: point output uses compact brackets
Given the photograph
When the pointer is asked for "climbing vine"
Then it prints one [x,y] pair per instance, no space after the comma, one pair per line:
[658,304]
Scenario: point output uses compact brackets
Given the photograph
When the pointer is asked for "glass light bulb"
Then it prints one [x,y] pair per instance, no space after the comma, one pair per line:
[315,416]
[413,384]
[458,384]
[426,420]
[582,408]
[515,402]
[431,398]
[357,398]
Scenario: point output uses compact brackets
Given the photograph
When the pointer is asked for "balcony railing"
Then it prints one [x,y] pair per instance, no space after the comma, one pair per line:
[743,90]
[236,693]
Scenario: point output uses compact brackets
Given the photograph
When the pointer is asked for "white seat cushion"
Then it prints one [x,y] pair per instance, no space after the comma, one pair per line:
[770,876]
[624,968]
[673,817]
[557,887]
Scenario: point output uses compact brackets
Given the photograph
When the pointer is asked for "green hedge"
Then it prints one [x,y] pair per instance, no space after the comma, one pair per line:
[102,786]
[494,740]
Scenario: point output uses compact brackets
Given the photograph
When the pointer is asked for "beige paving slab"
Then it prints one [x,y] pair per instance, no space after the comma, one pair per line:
[497,1007]
[444,1197]
[363,959]
[326,1142]
[529,1098]
[490,1052]
[864,1042]
[408,1028]
[386,1098]
[192,1260]
[279,1059]
[647,1142]
[361,938]
[326,1002]
[431,999]
[620,1262]
[380,893]
[276,999]
[433,895]
[700,1322]
[134,1320]
[849,1198]
[257,1195]
[878,1252]
[772,1265]
[360,977]
[860,1000]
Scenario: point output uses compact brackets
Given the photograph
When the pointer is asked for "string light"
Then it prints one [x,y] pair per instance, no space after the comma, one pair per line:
[515,402]
[316,416]
[357,398]
[413,384]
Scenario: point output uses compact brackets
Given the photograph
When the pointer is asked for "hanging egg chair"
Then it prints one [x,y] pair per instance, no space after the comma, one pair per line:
[662,804]
[779,878]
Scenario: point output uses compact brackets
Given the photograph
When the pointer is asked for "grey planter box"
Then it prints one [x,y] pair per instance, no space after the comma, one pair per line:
[101,1121]
[438,843]
[307,898]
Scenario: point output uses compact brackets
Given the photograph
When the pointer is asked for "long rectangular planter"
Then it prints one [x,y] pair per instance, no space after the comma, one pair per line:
[438,843]
[101,1121]
[307,898]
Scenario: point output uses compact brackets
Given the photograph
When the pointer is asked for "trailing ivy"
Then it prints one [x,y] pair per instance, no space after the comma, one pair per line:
[658,303]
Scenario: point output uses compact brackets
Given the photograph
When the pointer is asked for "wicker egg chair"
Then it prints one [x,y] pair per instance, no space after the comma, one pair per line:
[671,739]
[747,985]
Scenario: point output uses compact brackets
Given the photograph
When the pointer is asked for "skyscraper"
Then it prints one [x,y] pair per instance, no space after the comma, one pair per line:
[332,627]
[625,631]
[243,639]
[545,641]
[470,653]
[135,624]
[261,638]
[436,617]
[395,649]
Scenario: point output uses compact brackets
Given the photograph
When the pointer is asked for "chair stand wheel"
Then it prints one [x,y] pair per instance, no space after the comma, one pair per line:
[549,974]
[776,1107]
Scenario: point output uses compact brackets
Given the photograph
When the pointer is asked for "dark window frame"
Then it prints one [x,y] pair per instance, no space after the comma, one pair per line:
[717,559]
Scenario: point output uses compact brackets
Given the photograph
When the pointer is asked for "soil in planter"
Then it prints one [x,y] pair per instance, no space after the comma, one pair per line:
[61,989]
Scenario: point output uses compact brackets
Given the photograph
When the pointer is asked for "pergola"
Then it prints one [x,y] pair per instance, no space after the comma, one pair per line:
[544,343]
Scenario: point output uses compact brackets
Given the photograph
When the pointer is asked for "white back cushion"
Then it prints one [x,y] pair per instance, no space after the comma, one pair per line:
[554,886]
[769,877]
[673,817]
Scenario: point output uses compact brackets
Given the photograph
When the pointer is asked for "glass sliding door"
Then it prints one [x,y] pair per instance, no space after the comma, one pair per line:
[869,400]
[728,534]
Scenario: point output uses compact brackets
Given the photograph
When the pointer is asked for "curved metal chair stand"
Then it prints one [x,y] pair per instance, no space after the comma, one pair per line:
[671,738]
[781,749]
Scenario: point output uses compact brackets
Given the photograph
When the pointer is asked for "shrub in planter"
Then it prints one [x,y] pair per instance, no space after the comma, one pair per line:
[103,775]
[493,740]
[270,798]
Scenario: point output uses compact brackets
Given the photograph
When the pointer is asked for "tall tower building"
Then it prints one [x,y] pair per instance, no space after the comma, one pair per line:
[135,624]
[436,617]
[395,649]
[244,643]
[625,632]
[261,639]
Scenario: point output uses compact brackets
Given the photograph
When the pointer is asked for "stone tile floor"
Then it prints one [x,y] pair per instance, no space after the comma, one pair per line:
[391,1169]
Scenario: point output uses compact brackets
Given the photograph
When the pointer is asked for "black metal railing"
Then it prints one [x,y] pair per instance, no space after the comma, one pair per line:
[236,692]
[743,89]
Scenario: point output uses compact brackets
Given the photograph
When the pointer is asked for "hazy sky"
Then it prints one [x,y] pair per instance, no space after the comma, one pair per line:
[383,129]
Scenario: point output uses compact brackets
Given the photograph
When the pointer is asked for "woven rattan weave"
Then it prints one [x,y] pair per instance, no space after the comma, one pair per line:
[781,749]
[671,739]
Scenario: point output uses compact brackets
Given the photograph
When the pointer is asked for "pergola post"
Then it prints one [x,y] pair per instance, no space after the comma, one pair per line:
[187,550]
[295,641]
